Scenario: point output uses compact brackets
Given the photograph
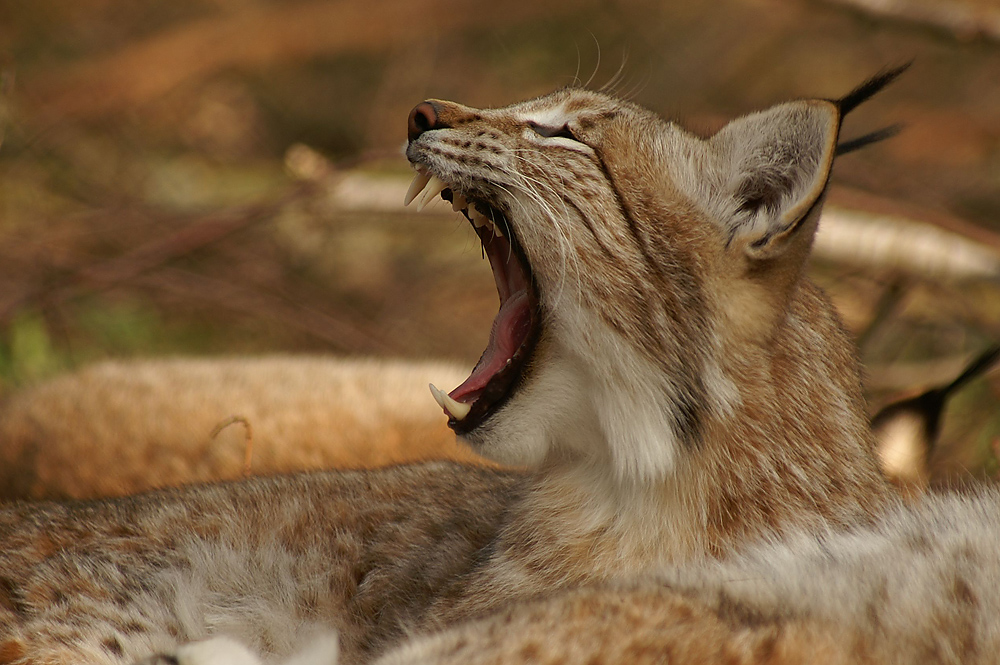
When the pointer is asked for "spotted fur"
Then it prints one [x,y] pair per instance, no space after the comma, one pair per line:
[919,586]
[690,393]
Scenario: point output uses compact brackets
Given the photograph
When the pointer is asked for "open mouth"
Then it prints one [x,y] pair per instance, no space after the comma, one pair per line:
[517,324]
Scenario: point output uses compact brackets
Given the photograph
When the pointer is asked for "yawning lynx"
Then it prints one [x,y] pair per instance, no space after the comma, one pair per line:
[677,387]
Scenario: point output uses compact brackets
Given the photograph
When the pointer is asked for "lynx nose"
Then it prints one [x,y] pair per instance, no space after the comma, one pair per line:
[424,116]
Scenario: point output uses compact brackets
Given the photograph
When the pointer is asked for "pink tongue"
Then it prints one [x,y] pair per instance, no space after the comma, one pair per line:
[510,329]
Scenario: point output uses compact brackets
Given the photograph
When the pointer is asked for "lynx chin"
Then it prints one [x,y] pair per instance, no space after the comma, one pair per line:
[673,388]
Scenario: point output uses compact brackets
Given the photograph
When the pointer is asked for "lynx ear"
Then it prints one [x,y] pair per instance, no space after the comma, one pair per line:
[772,168]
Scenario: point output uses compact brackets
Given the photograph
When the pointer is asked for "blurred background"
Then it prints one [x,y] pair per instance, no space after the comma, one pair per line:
[226,176]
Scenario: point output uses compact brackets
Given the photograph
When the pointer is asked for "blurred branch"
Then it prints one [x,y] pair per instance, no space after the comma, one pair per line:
[189,286]
[963,18]
[102,275]
[853,199]
[886,306]
[874,234]
[912,376]
[160,251]
[260,35]
[873,241]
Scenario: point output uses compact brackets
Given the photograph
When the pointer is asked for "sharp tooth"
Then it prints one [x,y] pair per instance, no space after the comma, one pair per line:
[458,202]
[436,394]
[419,181]
[497,231]
[433,188]
[458,410]
[452,407]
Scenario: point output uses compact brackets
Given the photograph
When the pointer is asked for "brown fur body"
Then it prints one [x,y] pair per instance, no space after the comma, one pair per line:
[690,394]
[917,587]
[264,560]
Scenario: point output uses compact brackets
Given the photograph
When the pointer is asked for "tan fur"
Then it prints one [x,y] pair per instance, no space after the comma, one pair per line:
[638,627]
[917,587]
[122,427]
[690,394]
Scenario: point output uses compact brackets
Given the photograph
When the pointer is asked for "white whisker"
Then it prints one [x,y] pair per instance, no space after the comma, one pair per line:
[535,189]
[597,66]
[617,78]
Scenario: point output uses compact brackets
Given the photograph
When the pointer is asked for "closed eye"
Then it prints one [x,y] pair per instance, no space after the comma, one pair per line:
[552,132]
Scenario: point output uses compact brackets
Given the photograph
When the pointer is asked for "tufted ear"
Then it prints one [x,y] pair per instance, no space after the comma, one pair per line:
[771,169]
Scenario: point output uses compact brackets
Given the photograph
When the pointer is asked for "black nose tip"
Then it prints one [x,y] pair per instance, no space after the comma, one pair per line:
[423,117]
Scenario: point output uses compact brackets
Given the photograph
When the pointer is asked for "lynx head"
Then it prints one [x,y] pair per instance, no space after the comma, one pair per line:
[629,255]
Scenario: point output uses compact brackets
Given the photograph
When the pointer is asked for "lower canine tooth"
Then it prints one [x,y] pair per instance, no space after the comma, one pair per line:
[452,407]
[419,182]
[457,409]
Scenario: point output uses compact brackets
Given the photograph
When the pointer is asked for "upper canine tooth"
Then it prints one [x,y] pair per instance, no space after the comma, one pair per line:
[451,406]
[433,188]
[458,202]
[419,181]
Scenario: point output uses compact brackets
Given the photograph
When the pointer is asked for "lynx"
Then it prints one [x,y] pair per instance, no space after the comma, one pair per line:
[121,427]
[672,386]
[917,587]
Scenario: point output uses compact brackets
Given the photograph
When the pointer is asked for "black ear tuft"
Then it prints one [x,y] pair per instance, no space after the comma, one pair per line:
[867,139]
[981,364]
[851,100]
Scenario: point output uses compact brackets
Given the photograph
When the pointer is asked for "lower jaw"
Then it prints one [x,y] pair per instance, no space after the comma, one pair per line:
[499,390]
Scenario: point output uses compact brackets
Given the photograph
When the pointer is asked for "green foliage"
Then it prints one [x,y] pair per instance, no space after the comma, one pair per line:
[32,349]
[26,351]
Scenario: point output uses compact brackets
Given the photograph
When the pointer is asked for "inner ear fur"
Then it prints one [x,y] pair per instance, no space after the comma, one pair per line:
[773,167]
